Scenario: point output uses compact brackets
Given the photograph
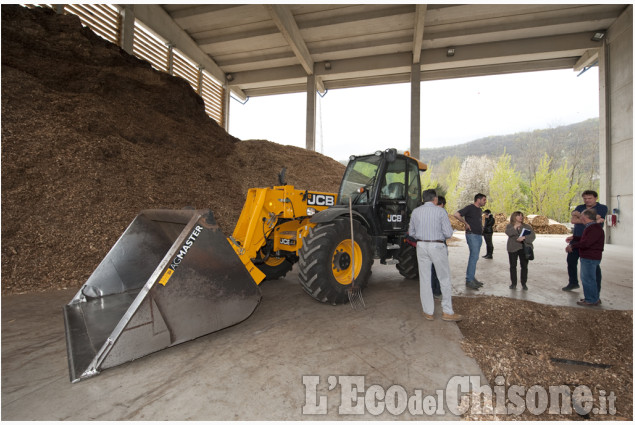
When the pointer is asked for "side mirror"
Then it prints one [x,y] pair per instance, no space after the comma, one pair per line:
[282,177]
[391,154]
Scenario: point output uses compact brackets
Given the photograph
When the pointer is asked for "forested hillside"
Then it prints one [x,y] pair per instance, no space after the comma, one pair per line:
[573,143]
[540,172]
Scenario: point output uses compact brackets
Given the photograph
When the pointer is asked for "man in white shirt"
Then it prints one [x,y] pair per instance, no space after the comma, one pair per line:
[430,226]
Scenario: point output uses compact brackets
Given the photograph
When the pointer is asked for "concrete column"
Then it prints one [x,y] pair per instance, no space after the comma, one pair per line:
[415,110]
[226,101]
[127,28]
[604,130]
[311,90]
[171,59]
[199,81]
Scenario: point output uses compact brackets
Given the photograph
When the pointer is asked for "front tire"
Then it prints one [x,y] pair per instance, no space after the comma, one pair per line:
[275,267]
[408,265]
[325,263]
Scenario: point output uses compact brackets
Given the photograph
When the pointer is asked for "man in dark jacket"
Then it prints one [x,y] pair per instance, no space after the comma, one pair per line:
[590,247]
[590,198]
[488,231]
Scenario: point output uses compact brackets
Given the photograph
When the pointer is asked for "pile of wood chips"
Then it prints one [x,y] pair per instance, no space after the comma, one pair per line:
[518,340]
[92,135]
[541,224]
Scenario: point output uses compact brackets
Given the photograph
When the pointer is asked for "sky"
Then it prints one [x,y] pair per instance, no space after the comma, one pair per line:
[363,120]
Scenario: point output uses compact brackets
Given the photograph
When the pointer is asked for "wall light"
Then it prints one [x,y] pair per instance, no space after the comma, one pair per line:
[327,65]
[598,36]
[450,52]
[229,77]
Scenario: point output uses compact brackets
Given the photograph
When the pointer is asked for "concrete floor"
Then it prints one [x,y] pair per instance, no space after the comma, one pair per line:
[254,370]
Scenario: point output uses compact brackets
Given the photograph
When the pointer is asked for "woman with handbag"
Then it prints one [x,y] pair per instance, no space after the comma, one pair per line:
[516,245]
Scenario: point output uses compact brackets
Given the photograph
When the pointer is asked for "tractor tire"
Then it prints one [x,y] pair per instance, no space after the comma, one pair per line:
[275,268]
[325,260]
[408,265]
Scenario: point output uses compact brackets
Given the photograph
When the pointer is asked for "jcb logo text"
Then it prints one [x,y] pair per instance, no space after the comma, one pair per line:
[321,200]
[394,218]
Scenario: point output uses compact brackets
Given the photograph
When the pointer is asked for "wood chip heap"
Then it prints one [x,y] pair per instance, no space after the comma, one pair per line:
[92,135]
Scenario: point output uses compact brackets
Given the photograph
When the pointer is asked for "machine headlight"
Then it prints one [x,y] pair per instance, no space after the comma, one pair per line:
[310,211]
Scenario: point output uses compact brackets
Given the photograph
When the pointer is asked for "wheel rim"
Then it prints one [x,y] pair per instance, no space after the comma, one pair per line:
[342,262]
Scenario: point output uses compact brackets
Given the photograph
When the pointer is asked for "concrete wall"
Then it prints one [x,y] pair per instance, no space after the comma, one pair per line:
[616,126]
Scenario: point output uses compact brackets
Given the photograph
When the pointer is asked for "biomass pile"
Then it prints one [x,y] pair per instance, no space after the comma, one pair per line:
[533,344]
[92,135]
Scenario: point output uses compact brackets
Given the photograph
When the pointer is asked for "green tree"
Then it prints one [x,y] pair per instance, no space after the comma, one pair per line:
[506,187]
[551,191]
[427,180]
[453,190]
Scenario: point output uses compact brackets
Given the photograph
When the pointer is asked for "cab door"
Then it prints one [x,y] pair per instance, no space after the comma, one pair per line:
[392,200]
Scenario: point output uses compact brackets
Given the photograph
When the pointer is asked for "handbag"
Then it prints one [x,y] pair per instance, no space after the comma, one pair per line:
[529,252]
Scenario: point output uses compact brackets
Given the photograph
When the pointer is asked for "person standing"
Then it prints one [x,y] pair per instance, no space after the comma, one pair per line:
[518,233]
[590,199]
[430,226]
[471,217]
[488,231]
[436,285]
[590,247]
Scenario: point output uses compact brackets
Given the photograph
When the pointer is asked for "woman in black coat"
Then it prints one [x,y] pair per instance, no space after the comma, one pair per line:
[515,247]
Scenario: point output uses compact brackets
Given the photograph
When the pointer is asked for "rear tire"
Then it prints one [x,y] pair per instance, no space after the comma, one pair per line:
[408,265]
[325,260]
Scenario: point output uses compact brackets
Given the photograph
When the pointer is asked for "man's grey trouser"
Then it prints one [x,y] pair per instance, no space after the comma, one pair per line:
[436,253]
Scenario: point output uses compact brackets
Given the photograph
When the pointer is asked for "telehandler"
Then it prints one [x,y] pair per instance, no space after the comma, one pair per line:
[173,276]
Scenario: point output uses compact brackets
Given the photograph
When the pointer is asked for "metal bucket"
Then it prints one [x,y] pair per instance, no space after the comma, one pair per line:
[171,277]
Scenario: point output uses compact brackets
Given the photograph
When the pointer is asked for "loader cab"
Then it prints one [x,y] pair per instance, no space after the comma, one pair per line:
[384,188]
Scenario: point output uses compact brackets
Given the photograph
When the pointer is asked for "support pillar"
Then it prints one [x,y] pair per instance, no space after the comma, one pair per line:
[127,28]
[415,110]
[311,90]
[605,133]
[226,101]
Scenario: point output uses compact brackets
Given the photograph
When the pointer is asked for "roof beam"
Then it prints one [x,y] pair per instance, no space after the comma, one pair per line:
[417,42]
[588,58]
[158,19]
[285,22]
[357,17]
[287,25]
[485,54]
[404,77]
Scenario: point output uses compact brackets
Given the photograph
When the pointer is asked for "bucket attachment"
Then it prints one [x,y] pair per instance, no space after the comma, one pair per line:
[171,277]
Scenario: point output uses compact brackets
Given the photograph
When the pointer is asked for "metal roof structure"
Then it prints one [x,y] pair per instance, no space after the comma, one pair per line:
[264,49]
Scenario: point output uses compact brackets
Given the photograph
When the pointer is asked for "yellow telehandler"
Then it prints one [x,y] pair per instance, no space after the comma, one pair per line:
[174,276]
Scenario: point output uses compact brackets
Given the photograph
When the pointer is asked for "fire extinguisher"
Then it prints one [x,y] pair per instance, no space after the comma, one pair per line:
[613,219]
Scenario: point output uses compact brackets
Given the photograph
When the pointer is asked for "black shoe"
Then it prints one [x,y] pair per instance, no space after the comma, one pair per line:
[512,286]
[525,287]
[478,282]
[472,285]
[489,257]
[570,287]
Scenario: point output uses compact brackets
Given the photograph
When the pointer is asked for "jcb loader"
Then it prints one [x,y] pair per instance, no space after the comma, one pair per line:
[173,276]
